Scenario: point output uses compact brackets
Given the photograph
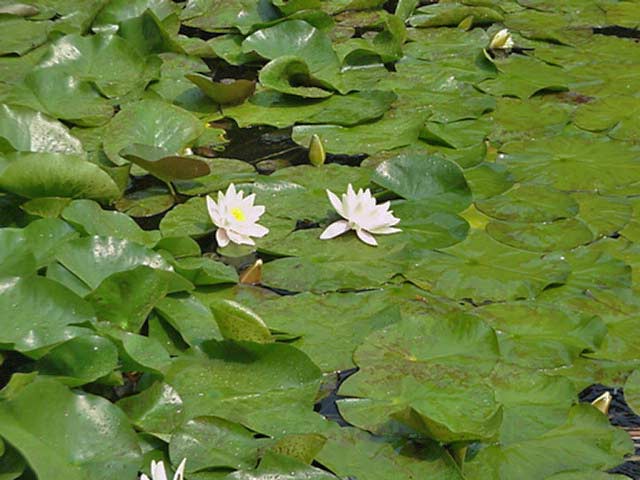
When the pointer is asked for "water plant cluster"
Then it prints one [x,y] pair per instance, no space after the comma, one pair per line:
[446,340]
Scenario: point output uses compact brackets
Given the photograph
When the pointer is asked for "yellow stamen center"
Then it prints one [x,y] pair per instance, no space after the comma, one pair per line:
[238,214]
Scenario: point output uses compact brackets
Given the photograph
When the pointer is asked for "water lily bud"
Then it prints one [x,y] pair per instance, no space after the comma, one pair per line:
[253,274]
[502,40]
[603,402]
[317,156]
[239,323]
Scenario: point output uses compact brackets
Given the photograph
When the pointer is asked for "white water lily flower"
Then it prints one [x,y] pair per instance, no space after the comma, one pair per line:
[361,214]
[158,472]
[502,40]
[236,217]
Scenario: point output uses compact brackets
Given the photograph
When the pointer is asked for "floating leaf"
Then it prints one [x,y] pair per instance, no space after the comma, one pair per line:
[38,312]
[240,323]
[424,178]
[481,269]
[152,123]
[425,382]
[160,163]
[69,435]
[58,175]
[224,92]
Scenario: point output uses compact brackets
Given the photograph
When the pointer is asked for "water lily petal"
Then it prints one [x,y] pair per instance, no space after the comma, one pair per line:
[157,471]
[239,238]
[214,212]
[336,203]
[384,230]
[366,237]
[335,229]
[180,471]
[222,238]
[258,231]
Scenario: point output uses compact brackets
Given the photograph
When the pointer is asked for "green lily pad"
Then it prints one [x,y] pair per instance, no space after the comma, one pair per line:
[541,237]
[291,75]
[93,259]
[529,203]
[22,35]
[79,361]
[268,388]
[566,447]
[279,110]
[126,298]
[224,171]
[88,217]
[223,15]
[59,175]
[212,442]
[157,409]
[482,269]
[604,215]
[515,119]
[65,434]
[409,376]
[382,458]
[23,128]
[205,271]
[189,218]
[118,11]
[451,14]
[152,123]
[190,317]
[429,179]
[612,115]
[47,314]
[572,163]
[275,465]
[304,317]
[522,77]
[537,334]
[224,93]
[160,163]
[488,179]
[533,403]
[300,39]
[632,390]
[394,130]
[145,203]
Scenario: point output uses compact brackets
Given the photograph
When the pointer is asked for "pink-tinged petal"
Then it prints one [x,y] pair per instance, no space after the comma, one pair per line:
[180,471]
[258,231]
[249,200]
[366,237]
[144,477]
[239,238]
[335,202]
[254,213]
[212,207]
[335,229]
[222,238]
[157,471]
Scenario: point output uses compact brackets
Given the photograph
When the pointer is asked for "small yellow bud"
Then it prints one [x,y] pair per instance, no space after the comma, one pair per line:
[317,156]
[253,274]
[502,40]
[603,402]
